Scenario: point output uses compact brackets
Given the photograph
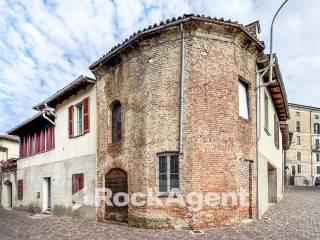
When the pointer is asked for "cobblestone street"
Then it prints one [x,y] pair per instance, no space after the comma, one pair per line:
[296,217]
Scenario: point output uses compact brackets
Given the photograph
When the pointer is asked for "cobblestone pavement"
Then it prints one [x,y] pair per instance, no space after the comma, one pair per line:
[297,216]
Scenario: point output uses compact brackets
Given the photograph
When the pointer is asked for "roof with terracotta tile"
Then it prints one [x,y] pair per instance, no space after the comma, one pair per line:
[136,36]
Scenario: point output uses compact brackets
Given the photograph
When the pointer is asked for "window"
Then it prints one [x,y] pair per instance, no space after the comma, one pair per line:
[318,157]
[79,119]
[318,169]
[316,128]
[116,122]
[77,187]
[298,140]
[243,100]
[293,170]
[298,126]
[168,172]
[299,168]
[266,112]
[316,116]
[20,189]
[317,143]
[297,114]
[299,156]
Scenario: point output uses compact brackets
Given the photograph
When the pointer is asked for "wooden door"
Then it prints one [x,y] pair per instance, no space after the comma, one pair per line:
[117,181]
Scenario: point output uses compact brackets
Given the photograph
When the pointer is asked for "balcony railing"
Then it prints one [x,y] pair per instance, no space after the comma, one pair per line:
[316,148]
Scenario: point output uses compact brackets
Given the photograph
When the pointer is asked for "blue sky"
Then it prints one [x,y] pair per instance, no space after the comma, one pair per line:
[46,44]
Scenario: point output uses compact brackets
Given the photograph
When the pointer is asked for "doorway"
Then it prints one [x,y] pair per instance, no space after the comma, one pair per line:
[8,193]
[272,183]
[117,181]
[46,194]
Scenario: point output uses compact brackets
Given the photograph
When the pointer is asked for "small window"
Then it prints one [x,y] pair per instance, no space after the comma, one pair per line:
[318,169]
[318,157]
[298,126]
[77,187]
[266,112]
[293,170]
[317,143]
[168,173]
[297,114]
[299,168]
[243,100]
[116,122]
[316,116]
[298,140]
[299,156]
[79,119]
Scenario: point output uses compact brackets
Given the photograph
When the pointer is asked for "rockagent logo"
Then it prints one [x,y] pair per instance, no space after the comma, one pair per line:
[195,201]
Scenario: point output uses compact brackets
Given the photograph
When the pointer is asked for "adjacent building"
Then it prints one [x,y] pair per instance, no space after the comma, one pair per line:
[9,153]
[57,164]
[303,157]
[177,110]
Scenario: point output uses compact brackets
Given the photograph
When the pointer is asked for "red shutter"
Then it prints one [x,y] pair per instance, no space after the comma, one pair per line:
[50,137]
[24,146]
[21,147]
[29,145]
[70,122]
[20,189]
[276,131]
[74,190]
[37,147]
[42,141]
[77,186]
[86,115]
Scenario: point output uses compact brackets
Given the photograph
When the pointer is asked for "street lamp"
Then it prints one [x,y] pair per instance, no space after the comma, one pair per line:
[271,38]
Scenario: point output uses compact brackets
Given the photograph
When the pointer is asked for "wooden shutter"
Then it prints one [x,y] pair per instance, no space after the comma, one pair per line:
[50,137]
[70,127]
[43,141]
[21,147]
[77,185]
[29,145]
[276,131]
[20,189]
[86,115]
[24,146]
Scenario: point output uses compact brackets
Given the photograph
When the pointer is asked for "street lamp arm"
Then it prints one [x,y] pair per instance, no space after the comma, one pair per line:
[271,39]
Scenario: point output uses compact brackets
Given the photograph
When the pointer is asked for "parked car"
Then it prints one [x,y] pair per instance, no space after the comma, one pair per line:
[317,181]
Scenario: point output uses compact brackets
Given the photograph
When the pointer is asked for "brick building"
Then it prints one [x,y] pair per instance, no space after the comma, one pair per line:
[176,109]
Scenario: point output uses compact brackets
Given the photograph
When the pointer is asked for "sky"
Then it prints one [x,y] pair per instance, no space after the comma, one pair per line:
[45,44]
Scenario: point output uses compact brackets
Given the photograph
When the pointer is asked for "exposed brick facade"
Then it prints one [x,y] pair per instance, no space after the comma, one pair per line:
[146,82]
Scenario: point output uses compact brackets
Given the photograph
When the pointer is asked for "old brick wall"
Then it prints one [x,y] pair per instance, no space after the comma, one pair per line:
[146,82]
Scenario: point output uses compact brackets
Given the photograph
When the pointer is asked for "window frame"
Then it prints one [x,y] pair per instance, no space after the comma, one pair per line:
[77,120]
[116,131]
[299,168]
[168,156]
[298,126]
[246,86]
[318,170]
[299,156]
[298,140]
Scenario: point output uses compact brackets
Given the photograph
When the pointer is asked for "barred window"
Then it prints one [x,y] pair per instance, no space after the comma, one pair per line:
[168,172]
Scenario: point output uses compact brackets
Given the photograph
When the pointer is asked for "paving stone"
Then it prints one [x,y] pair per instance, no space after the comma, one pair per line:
[295,217]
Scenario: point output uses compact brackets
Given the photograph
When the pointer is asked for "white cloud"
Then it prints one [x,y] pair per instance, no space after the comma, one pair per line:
[46,44]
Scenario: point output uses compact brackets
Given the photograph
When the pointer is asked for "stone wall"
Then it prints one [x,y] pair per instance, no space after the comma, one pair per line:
[145,80]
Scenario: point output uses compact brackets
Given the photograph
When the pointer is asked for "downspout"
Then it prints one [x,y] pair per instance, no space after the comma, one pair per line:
[311,142]
[181,92]
[258,127]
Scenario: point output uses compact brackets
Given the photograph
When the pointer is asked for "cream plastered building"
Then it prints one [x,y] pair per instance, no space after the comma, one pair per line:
[57,165]
[9,152]
[303,157]
[272,136]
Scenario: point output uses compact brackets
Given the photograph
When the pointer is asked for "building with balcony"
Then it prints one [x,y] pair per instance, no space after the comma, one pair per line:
[303,157]
[9,153]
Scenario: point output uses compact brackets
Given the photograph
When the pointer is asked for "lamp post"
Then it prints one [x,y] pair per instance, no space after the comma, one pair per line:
[271,39]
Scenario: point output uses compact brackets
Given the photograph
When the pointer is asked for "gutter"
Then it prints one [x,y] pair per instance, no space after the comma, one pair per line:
[174,23]
[181,92]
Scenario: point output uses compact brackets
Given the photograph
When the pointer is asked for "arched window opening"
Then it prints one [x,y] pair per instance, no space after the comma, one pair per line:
[116,122]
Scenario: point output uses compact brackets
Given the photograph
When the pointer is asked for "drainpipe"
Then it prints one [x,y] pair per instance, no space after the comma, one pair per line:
[258,127]
[181,92]
[311,132]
